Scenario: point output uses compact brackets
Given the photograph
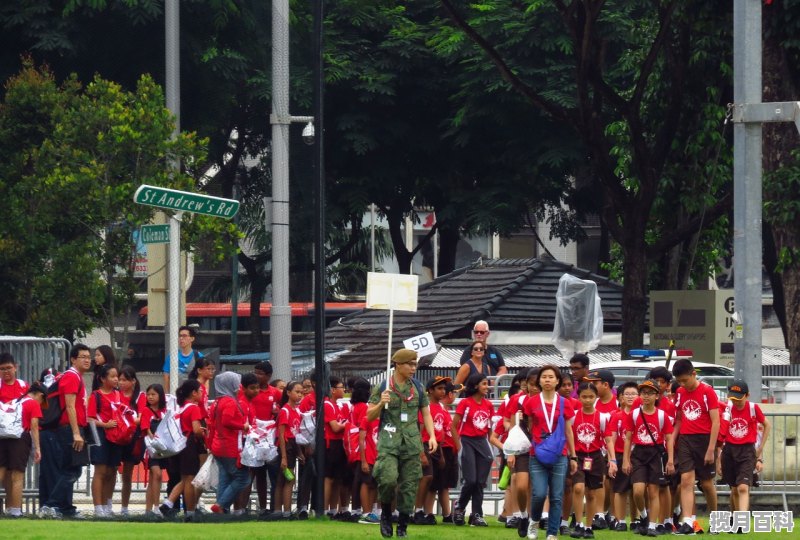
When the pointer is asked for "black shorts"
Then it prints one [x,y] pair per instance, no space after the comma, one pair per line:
[291,454]
[134,452]
[738,464]
[646,466]
[362,478]
[106,453]
[451,467]
[427,470]
[335,460]
[593,478]
[522,463]
[14,453]
[187,462]
[691,456]
[621,482]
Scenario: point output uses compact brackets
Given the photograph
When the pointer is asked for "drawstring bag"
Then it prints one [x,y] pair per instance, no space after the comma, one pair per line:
[551,449]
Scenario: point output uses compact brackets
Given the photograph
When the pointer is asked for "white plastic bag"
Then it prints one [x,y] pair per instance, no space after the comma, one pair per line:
[517,442]
[308,426]
[170,438]
[207,478]
[11,419]
[579,318]
[250,452]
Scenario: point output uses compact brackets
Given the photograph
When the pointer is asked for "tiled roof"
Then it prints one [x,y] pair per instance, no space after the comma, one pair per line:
[511,294]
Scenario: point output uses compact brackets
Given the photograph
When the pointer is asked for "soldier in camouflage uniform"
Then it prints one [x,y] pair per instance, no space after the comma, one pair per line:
[398,469]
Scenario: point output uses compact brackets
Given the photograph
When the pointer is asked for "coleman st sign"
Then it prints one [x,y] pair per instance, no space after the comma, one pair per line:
[183,201]
[155,234]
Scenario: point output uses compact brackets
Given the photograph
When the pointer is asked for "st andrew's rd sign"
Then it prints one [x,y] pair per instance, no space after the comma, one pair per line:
[183,201]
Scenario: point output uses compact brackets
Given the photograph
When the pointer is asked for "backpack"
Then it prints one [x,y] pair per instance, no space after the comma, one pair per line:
[11,419]
[725,421]
[126,427]
[51,416]
[550,450]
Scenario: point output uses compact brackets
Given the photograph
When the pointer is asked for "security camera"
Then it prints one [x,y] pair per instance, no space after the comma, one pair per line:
[308,134]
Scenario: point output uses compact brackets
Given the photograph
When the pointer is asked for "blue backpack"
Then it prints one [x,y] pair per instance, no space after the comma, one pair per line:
[550,450]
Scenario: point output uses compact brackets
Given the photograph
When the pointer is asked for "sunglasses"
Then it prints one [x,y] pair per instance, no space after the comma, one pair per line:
[480,331]
[478,349]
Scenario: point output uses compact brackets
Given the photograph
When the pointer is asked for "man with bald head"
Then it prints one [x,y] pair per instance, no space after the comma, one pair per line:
[480,332]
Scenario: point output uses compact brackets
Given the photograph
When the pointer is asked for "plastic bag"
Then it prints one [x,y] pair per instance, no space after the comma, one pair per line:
[207,478]
[249,456]
[169,439]
[517,442]
[308,426]
[11,419]
[579,318]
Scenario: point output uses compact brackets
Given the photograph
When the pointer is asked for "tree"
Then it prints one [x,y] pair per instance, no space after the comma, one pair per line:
[72,157]
[631,80]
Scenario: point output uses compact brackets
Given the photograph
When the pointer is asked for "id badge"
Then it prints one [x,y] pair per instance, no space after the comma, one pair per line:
[404,417]
[587,464]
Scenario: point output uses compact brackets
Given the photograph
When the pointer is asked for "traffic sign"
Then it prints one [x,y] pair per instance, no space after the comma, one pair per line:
[154,234]
[183,201]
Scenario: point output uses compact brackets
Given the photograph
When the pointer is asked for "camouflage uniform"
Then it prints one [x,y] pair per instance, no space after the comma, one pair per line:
[398,468]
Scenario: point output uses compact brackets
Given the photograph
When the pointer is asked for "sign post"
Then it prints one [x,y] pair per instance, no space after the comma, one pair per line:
[392,292]
[179,202]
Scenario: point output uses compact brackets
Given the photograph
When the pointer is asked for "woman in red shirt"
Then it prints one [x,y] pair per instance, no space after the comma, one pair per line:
[105,456]
[474,420]
[230,425]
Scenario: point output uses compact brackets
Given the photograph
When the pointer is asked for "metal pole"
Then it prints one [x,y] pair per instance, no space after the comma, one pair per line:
[280,320]
[173,91]
[372,237]
[235,281]
[747,210]
[319,252]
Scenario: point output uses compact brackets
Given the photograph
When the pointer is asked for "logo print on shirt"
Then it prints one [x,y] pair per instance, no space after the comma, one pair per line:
[438,423]
[295,427]
[480,420]
[586,433]
[692,410]
[643,437]
[738,428]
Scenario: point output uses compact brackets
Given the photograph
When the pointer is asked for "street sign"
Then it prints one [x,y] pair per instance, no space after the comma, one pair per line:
[155,234]
[183,201]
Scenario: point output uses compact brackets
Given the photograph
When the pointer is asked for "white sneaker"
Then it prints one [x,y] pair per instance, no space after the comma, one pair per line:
[533,529]
[45,511]
[552,537]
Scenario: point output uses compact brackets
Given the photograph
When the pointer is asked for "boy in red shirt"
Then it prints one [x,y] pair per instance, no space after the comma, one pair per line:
[606,405]
[697,423]
[741,453]
[11,388]
[626,393]
[433,479]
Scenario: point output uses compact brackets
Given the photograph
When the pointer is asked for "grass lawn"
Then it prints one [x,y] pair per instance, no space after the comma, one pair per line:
[31,529]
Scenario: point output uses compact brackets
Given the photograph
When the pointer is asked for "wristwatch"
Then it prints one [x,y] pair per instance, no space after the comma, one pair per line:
[573,458]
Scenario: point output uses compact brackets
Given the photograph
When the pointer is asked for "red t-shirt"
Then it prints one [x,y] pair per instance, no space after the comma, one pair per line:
[438,416]
[10,392]
[533,409]
[447,428]
[148,416]
[742,427]
[229,425]
[357,412]
[476,418]
[71,382]
[664,404]
[106,412]
[332,413]
[204,400]
[30,409]
[290,417]
[513,404]
[371,439]
[266,402]
[694,408]
[603,408]
[640,435]
[308,403]
[190,413]
[588,433]
[617,423]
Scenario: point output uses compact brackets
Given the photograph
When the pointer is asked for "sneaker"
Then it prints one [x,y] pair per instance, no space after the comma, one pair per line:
[167,511]
[522,527]
[620,527]
[577,532]
[635,526]
[430,519]
[588,533]
[367,519]
[552,537]
[101,513]
[419,518]
[447,519]
[502,519]
[45,512]
[533,529]
[512,522]
[599,523]
[124,513]
[74,515]
[697,528]
[644,523]
[661,529]
[543,524]
[303,514]
[650,532]
[458,517]
[685,529]
[344,516]
[476,520]
[564,530]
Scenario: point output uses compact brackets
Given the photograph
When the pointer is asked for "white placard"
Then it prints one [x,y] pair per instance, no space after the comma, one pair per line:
[423,344]
[381,286]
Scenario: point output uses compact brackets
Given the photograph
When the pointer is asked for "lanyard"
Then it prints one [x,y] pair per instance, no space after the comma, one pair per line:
[549,421]
[394,389]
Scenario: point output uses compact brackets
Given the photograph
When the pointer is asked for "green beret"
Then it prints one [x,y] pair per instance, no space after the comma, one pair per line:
[404,356]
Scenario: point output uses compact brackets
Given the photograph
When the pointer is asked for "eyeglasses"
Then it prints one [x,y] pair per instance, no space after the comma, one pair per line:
[576,368]
[338,388]
[480,331]
[84,357]
[478,349]
[7,368]
[184,335]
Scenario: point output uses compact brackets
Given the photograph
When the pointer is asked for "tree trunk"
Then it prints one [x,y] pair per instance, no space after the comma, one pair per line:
[634,294]
[258,286]
[401,253]
[448,247]
[775,278]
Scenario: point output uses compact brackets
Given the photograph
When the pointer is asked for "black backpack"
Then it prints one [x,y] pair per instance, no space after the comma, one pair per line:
[51,416]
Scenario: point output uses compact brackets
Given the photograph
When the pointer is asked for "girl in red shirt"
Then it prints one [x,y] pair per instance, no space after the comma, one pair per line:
[474,420]
[186,464]
[105,456]
[132,453]
[288,425]
[591,433]
[149,420]
[18,450]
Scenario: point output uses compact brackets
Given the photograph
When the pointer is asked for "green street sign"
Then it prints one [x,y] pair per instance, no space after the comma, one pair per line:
[154,234]
[183,201]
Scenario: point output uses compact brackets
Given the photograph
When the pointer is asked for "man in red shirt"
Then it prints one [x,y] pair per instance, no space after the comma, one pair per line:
[697,424]
[266,406]
[63,449]
[11,388]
